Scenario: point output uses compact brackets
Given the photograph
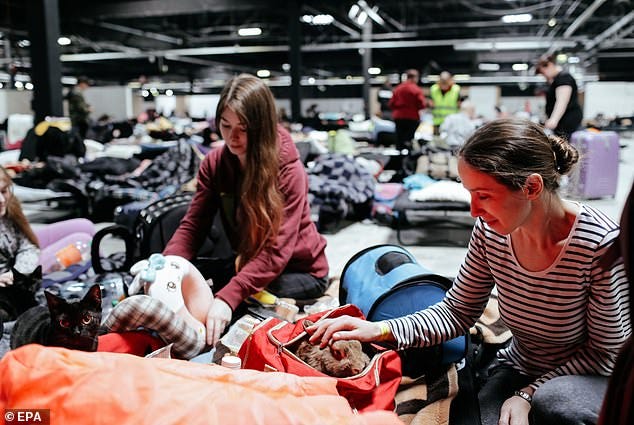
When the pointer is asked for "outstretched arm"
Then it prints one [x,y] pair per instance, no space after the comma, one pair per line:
[348,328]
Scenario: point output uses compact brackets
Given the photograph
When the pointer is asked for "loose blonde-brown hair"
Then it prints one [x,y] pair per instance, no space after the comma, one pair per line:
[261,201]
[14,210]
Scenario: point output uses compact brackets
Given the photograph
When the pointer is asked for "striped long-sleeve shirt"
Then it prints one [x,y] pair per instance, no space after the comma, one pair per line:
[571,318]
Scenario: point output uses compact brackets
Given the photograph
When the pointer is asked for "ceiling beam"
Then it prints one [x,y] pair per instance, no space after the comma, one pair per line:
[157,8]
[230,50]
[582,18]
[613,29]
[134,31]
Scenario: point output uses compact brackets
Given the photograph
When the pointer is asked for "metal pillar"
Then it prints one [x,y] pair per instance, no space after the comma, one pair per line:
[46,72]
[366,63]
[295,57]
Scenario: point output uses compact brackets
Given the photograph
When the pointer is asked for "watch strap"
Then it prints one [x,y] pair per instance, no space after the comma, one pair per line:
[523,394]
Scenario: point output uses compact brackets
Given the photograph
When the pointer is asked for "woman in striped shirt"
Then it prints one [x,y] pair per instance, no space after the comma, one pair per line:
[569,316]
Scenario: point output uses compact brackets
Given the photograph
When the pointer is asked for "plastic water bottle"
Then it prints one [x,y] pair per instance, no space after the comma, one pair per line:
[332,141]
[72,254]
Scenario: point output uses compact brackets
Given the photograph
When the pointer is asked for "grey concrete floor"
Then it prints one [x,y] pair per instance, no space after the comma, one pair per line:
[445,260]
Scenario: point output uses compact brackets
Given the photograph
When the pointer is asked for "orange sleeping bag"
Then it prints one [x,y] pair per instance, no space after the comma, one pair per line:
[112,388]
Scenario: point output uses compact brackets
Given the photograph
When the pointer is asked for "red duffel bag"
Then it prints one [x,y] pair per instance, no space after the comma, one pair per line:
[269,348]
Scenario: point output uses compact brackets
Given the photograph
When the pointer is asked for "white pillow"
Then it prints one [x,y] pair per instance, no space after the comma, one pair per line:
[444,190]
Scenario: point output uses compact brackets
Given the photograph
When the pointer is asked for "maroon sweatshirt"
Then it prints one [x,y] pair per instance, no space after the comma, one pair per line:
[298,248]
[407,99]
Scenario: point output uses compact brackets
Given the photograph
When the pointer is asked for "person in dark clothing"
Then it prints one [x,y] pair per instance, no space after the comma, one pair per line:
[562,104]
[383,96]
[406,102]
[619,398]
[78,108]
[259,186]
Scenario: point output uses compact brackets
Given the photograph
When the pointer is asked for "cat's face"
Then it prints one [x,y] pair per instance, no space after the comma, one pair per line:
[346,358]
[30,281]
[75,324]
[340,359]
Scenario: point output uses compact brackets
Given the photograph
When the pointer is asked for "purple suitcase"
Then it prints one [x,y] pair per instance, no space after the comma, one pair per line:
[597,173]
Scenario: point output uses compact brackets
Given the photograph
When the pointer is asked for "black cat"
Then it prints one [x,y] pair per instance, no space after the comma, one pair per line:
[70,324]
[17,298]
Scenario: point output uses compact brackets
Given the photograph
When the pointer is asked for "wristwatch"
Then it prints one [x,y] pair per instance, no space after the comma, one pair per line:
[526,396]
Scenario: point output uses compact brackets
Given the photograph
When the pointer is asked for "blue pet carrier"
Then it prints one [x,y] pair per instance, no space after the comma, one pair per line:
[386,281]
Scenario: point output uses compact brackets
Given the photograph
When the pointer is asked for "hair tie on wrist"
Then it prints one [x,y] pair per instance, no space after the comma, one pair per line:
[385,331]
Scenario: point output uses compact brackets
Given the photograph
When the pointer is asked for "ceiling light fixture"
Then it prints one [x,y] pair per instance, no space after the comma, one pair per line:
[69,80]
[360,11]
[562,58]
[519,67]
[323,19]
[249,32]
[513,19]
[263,73]
[374,70]
[489,66]
[63,41]
[372,12]
[354,11]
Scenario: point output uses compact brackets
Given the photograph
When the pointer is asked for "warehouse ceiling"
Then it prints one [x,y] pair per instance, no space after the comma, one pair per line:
[196,42]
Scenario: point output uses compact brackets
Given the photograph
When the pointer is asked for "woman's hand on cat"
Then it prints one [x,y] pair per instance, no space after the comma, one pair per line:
[343,328]
[218,316]
[6,279]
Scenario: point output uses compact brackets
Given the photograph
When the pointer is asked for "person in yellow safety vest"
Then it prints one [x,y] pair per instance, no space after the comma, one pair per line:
[445,98]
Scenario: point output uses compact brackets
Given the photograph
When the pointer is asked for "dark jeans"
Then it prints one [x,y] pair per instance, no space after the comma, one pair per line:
[405,130]
[298,286]
[287,285]
[565,400]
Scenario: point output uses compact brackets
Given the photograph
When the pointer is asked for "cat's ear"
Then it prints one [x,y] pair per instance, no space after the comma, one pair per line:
[94,295]
[37,273]
[53,300]
[338,352]
[16,273]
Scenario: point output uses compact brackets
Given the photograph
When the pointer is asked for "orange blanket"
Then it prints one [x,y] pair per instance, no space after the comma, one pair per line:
[112,388]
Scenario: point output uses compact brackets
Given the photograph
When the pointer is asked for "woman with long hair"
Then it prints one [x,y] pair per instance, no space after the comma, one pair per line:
[259,186]
[19,252]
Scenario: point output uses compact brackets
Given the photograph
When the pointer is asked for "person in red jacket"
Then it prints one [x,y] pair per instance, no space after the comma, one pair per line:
[406,102]
[259,186]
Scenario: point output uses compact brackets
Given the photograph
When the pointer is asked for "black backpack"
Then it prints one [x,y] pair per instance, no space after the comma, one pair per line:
[154,227]
[157,222]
